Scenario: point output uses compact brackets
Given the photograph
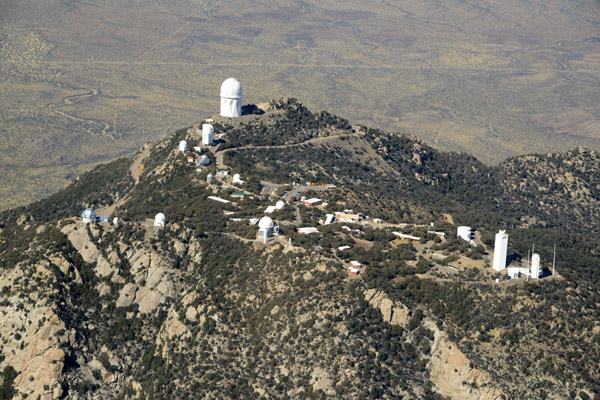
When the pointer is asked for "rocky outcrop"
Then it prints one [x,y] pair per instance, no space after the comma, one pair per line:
[79,237]
[32,337]
[453,374]
[394,313]
[450,370]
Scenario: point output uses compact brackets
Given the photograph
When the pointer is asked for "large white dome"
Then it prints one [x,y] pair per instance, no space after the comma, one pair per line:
[265,223]
[231,88]
[279,205]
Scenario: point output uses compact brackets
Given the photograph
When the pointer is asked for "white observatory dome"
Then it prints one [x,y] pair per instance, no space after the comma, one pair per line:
[88,215]
[231,88]
[265,223]
[237,179]
[159,220]
[279,205]
[231,98]
[203,160]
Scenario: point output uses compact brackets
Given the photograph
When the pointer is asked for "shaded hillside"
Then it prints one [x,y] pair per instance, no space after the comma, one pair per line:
[555,190]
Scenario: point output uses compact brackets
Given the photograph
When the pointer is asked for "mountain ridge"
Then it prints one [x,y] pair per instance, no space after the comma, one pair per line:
[199,308]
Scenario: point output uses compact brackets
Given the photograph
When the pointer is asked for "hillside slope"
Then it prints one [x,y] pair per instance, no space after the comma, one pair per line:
[201,309]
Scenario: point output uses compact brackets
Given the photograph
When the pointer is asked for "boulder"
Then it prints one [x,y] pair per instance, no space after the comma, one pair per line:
[127,295]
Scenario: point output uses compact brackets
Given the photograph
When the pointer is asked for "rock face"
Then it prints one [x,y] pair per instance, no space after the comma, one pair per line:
[32,337]
[394,313]
[79,237]
[452,374]
[450,370]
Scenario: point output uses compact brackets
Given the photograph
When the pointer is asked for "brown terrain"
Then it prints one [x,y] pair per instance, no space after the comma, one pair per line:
[83,83]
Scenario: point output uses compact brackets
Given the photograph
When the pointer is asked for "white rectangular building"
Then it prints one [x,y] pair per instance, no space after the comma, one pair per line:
[307,230]
[406,237]
[500,251]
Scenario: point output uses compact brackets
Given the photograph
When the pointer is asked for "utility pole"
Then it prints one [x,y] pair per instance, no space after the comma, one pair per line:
[554,259]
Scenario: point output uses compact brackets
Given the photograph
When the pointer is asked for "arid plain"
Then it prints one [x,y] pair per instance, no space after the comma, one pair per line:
[86,82]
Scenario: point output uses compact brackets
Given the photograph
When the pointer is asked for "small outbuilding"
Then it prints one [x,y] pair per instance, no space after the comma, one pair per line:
[312,202]
[307,230]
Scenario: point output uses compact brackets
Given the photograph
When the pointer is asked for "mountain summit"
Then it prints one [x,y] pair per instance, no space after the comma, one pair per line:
[356,286]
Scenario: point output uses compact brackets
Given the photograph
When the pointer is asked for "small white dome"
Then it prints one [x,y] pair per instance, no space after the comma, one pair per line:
[265,223]
[231,88]
[279,205]
[159,219]
[236,177]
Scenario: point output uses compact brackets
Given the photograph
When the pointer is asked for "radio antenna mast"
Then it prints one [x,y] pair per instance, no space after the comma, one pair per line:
[554,259]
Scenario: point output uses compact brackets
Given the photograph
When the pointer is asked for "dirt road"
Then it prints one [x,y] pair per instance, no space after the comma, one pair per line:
[134,170]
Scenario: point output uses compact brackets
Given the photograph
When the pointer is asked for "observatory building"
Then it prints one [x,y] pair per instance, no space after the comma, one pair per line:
[159,220]
[88,215]
[265,228]
[237,179]
[465,233]
[183,146]
[279,205]
[208,134]
[203,160]
[231,98]
[500,250]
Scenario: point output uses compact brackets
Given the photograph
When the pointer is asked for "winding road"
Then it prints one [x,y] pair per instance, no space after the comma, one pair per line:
[134,170]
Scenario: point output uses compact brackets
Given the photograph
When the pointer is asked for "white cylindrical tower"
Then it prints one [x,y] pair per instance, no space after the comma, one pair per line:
[183,146]
[159,219]
[209,178]
[535,266]
[208,133]
[500,250]
[231,98]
